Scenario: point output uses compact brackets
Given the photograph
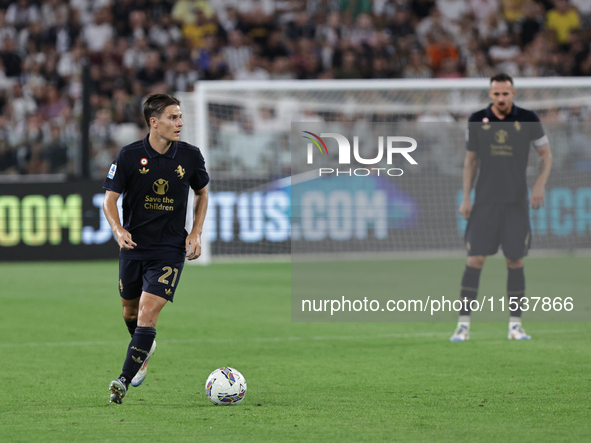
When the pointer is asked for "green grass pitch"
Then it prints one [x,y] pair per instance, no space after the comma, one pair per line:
[62,340]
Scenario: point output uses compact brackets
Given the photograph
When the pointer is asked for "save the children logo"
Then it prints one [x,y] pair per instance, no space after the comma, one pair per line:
[394,145]
[501,136]
[160,186]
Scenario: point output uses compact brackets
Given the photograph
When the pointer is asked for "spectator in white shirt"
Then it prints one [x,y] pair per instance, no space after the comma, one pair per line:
[182,77]
[97,33]
[504,55]
[481,9]
[236,53]
[70,63]
[453,10]
[135,56]
[165,32]
[21,13]
[6,30]
[252,70]
[435,20]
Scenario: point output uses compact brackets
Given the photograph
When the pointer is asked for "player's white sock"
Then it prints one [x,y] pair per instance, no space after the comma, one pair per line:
[514,321]
[464,320]
[462,332]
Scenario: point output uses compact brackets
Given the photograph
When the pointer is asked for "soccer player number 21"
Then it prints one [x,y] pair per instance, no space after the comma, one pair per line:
[167,271]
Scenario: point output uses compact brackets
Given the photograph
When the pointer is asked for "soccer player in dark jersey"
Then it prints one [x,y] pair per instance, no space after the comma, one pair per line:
[154,176]
[497,147]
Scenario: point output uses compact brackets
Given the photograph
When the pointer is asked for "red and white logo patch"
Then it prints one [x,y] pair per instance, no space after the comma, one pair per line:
[485,120]
[144,161]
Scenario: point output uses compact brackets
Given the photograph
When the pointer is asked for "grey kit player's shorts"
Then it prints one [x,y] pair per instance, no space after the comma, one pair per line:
[499,224]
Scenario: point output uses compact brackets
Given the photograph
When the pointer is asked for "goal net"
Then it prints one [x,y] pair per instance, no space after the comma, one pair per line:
[265,199]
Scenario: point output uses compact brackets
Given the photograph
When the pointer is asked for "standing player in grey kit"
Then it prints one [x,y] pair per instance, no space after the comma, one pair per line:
[154,176]
[497,144]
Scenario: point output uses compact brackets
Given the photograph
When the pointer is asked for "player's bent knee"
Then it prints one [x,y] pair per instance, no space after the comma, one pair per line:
[150,307]
[130,316]
[514,263]
[130,313]
[130,308]
[476,261]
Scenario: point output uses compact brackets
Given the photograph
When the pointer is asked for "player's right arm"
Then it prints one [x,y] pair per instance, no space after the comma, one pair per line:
[122,236]
[468,176]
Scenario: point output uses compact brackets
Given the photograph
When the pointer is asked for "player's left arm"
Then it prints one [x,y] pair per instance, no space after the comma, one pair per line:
[193,242]
[539,190]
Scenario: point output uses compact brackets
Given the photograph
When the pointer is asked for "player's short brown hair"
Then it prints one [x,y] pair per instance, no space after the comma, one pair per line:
[155,105]
[502,77]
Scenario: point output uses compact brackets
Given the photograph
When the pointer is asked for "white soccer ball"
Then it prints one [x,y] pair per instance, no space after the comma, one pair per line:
[225,386]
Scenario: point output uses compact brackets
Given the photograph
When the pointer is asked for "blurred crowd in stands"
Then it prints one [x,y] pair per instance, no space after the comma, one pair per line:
[138,47]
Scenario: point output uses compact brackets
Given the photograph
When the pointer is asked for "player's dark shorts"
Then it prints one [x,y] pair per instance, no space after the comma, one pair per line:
[158,277]
[499,224]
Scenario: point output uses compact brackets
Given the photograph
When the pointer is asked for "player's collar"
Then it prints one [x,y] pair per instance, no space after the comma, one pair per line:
[153,153]
[490,114]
